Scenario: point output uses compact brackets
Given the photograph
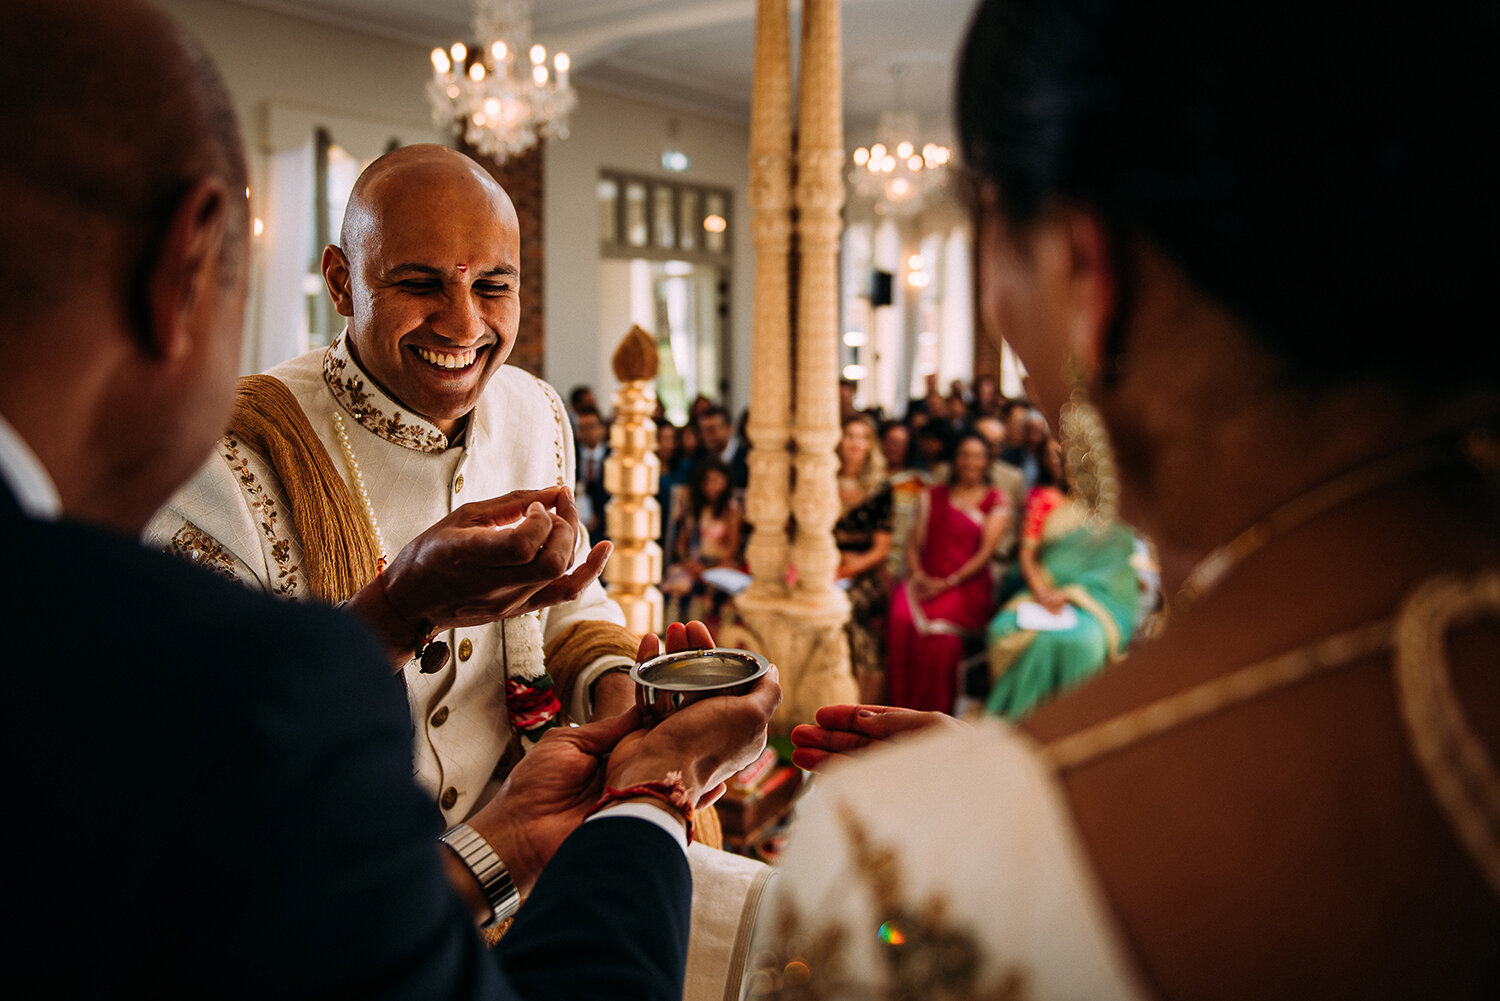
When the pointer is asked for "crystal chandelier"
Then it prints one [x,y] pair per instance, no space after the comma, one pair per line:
[893,172]
[501,91]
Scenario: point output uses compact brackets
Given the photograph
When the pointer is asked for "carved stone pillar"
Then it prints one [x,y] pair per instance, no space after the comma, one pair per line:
[820,197]
[801,631]
[770,427]
[632,471]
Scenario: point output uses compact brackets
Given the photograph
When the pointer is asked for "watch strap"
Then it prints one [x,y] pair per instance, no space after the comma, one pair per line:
[476,853]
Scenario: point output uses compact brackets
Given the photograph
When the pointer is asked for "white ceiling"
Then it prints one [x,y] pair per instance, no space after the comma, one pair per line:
[696,55]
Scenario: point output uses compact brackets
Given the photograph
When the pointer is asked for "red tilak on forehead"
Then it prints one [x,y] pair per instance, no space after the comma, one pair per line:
[461,267]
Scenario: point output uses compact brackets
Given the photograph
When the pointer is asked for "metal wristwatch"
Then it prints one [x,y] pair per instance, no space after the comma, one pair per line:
[476,853]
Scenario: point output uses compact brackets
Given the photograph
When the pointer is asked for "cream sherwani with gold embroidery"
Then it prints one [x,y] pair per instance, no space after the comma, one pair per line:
[233,516]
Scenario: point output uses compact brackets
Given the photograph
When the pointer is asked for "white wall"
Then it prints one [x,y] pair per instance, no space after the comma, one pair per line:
[628,135]
[274,57]
[286,74]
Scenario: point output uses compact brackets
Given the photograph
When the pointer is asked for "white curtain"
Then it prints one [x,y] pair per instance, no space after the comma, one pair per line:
[285,258]
[957,333]
[880,361]
[285,279]
[888,333]
[1011,372]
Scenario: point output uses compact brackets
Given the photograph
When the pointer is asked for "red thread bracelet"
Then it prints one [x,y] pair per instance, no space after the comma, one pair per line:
[670,791]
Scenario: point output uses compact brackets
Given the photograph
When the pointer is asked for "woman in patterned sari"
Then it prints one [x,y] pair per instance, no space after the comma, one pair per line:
[945,602]
[863,537]
[1082,578]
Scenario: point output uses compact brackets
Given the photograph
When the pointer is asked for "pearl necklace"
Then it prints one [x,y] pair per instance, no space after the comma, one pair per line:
[430,653]
[359,489]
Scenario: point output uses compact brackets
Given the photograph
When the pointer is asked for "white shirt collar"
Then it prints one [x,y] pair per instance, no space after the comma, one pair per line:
[27,478]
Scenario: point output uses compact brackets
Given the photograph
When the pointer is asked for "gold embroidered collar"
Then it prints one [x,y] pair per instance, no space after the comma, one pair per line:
[368,404]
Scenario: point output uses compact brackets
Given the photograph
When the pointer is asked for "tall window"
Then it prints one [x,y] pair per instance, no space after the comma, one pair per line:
[665,266]
[334,173]
[907,310]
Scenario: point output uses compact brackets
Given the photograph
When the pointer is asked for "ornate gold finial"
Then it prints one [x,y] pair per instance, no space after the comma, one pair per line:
[631,470]
[636,359]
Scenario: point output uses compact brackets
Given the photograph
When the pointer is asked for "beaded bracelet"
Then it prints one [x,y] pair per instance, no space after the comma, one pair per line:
[670,791]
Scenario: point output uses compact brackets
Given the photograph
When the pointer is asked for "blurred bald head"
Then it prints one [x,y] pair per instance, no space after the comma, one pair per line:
[113,112]
[122,251]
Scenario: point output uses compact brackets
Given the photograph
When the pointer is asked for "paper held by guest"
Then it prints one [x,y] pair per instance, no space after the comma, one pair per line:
[726,579]
[1030,615]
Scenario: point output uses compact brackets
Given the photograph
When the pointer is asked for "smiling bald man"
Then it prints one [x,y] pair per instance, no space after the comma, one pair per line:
[429,275]
[362,456]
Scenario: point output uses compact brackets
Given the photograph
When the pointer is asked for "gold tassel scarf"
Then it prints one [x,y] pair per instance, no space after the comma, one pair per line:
[338,551]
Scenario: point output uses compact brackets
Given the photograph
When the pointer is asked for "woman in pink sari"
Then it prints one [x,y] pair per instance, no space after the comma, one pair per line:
[946,601]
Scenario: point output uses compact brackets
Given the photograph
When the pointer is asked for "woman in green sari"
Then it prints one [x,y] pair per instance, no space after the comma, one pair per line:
[1078,608]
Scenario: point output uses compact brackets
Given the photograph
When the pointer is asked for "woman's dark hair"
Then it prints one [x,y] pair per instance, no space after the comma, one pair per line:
[661,423]
[1045,477]
[958,443]
[889,425]
[697,501]
[1322,170]
[936,430]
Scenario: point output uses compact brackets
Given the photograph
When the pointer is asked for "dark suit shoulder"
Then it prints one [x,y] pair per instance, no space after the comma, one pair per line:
[238,767]
[619,890]
[106,593]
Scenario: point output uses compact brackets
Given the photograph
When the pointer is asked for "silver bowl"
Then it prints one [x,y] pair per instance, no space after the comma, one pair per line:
[666,683]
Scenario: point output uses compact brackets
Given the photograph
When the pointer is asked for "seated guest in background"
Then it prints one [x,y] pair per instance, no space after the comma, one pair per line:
[675,470]
[580,398]
[1081,576]
[1011,480]
[690,442]
[863,536]
[708,535]
[269,841]
[593,449]
[719,441]
[895,446]
[1013,414]
[933,449]
[701,405]
[1034,451]
[906,484]
[957,388]
[957,409]
[987,398]
[861,464]
[1290,792]
[1008,478]
[940,610]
